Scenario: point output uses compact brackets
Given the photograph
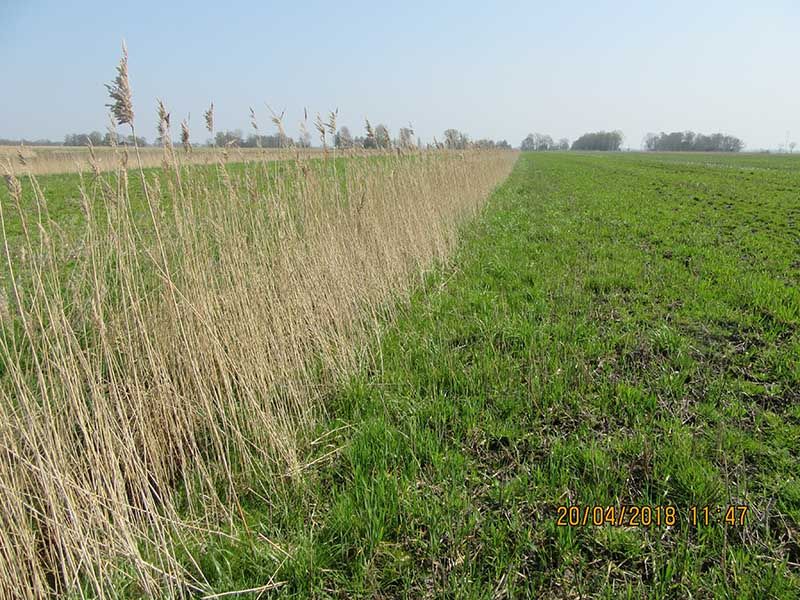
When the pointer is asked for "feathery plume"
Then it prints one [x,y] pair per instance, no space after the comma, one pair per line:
[163,122]
[120,92]
[253,121]
[209,117]
[320,126]
[185,135]
[305,136]
[13,184]
[277,119]
[331,124]
[370,130]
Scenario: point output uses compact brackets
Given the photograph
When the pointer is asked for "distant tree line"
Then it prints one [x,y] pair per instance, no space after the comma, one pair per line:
[492,144]
[380,138]
[538,142]
[599,140]
[377,137]
[689,141]
[77,139]
[458,140]
[236,138]
[98,139]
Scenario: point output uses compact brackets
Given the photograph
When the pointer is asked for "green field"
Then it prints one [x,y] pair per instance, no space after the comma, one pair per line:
[614,330]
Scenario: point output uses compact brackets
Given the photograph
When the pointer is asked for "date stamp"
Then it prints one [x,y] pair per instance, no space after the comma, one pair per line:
[665,515]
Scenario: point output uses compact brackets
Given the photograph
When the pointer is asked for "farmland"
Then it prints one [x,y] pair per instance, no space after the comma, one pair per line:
[605,330]
[613,330]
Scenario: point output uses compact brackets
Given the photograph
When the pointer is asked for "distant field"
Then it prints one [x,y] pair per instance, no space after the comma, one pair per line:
[46,160]
[716,160]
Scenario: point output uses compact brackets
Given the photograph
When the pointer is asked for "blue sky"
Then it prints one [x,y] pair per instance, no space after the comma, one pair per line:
[492,69]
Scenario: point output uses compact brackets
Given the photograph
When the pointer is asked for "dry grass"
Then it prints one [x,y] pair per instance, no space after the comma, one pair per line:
[48,160]
[183,353]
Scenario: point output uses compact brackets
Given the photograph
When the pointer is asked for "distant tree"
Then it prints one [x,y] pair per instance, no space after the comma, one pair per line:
[262,141]
[139,141]
[544,142]
[98,139]
[129,140]
[528,144]
[792,146]
[76,139]
[229,138]
[504,145]
[600,140]
[455,139]
[537,142]
[343,138]
[563,144]
[451,138]
[304,140]
[406,139]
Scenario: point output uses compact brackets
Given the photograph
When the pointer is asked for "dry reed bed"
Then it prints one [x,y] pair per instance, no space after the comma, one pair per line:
[47,160]
[180,358]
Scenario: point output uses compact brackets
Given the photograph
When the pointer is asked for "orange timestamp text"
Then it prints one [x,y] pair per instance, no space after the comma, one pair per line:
[666,515]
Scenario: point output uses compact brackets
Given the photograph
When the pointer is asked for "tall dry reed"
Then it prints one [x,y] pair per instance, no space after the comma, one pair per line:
[157,361]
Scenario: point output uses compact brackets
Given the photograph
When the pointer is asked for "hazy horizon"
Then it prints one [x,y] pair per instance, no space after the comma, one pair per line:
[497,71]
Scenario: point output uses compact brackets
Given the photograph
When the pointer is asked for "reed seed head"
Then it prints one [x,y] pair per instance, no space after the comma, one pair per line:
[331,124]
[119,91]
[209,117]
[185,135]
[253,121]
[163,122]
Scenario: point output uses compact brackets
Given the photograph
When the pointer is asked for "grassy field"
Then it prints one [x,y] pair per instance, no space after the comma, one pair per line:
[614,330]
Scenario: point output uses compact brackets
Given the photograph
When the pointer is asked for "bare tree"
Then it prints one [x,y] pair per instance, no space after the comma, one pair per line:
[452,138]
[406,137]
[343,138]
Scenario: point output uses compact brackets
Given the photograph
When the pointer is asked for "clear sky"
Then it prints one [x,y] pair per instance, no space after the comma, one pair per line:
[490,68]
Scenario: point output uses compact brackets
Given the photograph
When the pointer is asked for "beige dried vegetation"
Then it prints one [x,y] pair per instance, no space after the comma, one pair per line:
[181,355]
[49,160]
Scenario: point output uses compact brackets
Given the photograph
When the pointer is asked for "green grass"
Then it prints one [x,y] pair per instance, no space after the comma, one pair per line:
[64,205]
[613,330]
